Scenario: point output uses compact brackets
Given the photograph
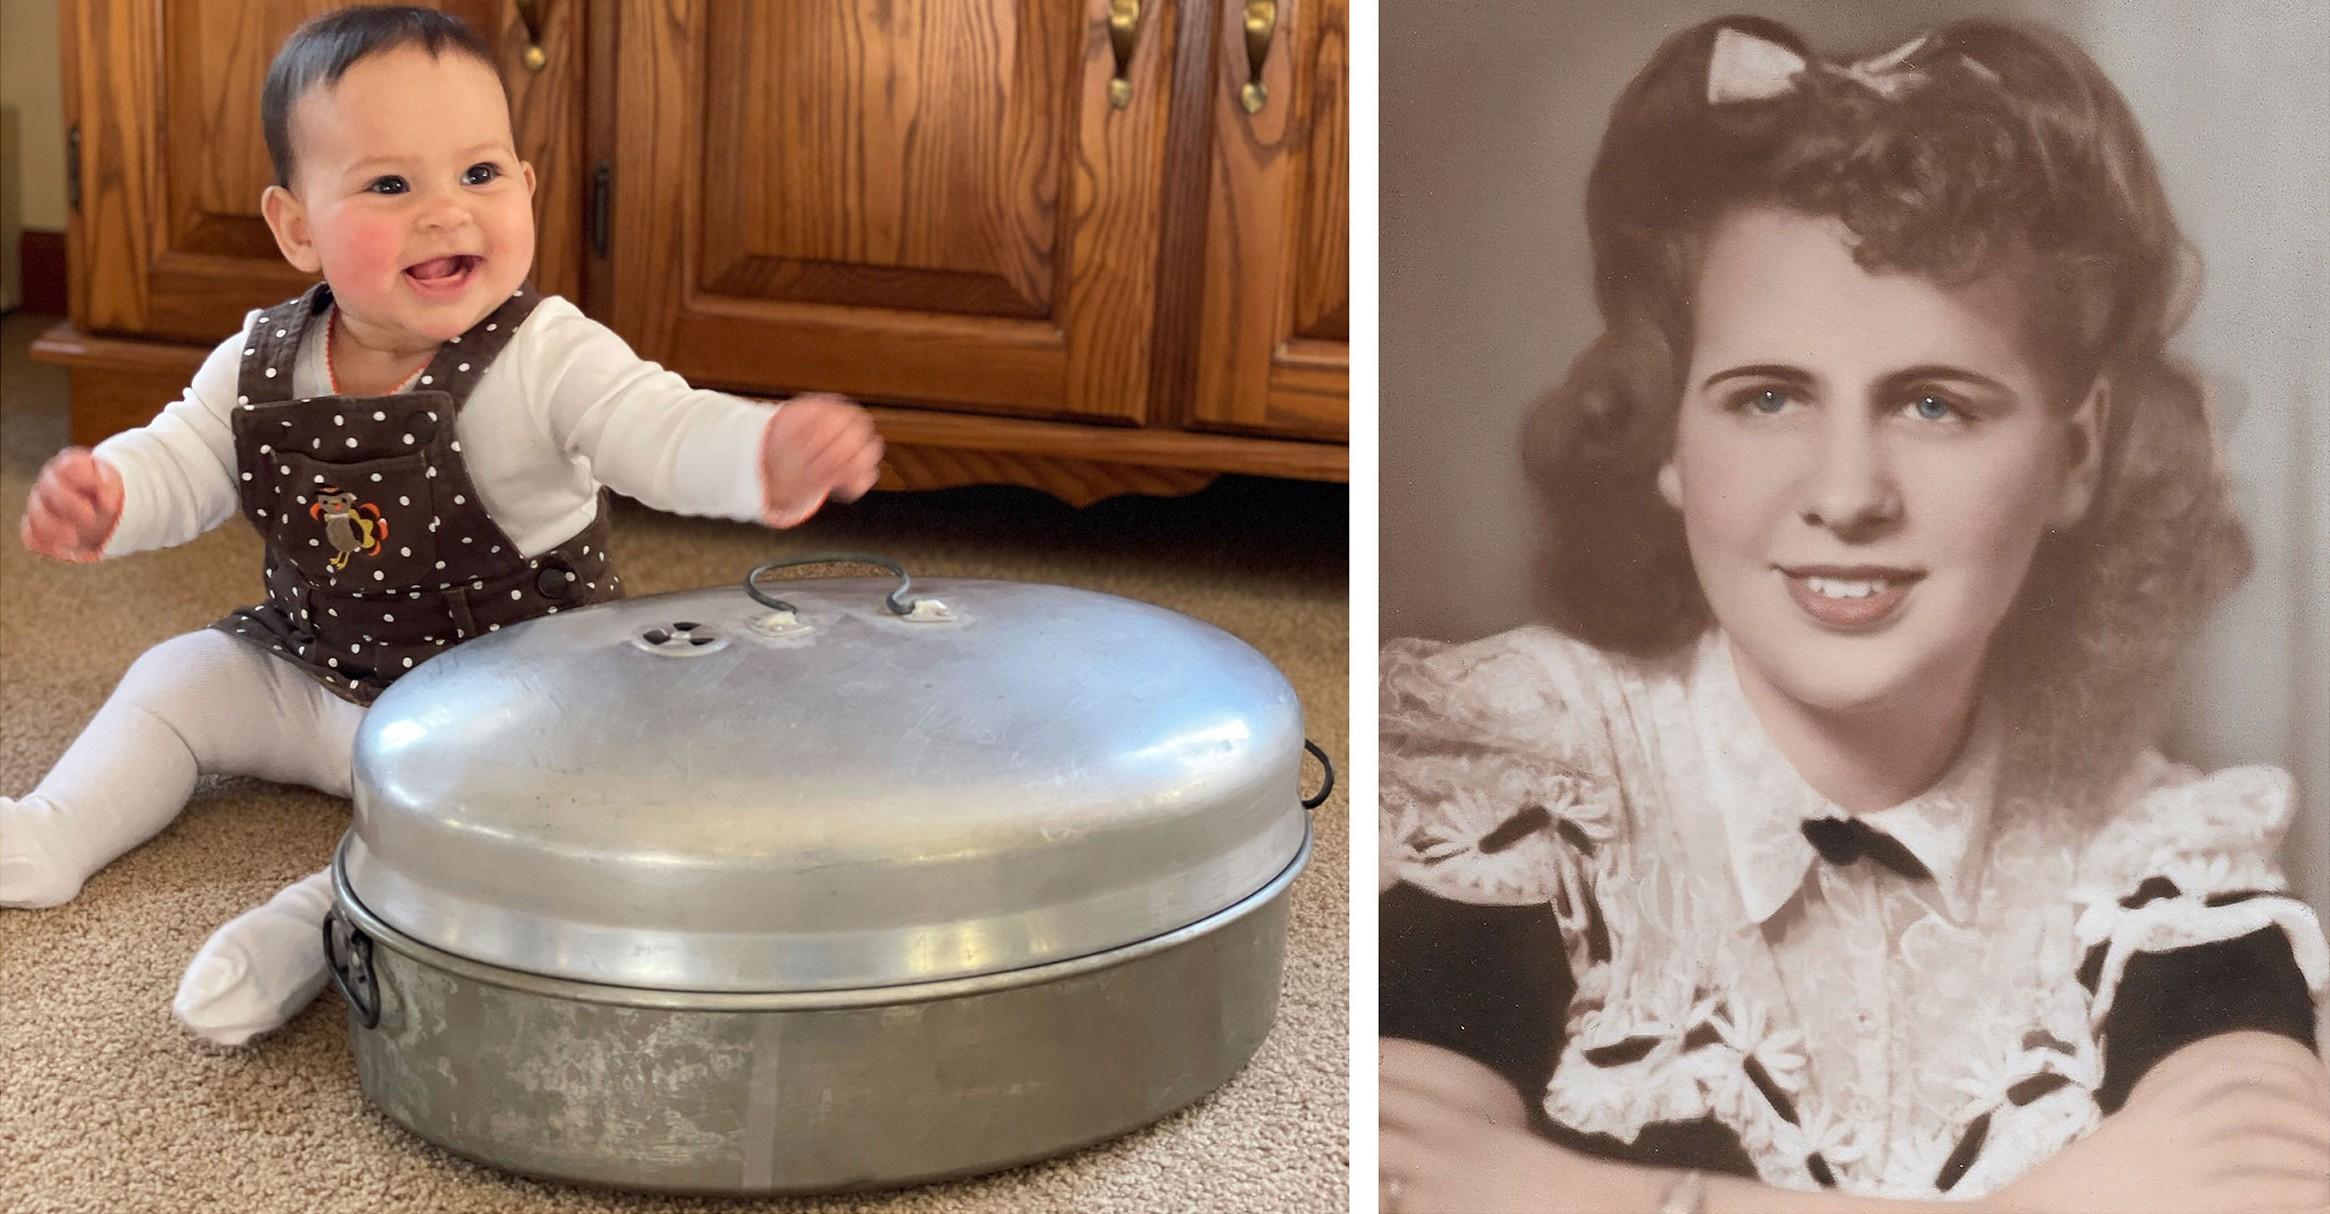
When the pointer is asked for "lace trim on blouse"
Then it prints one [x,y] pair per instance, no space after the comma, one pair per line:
[1505,782]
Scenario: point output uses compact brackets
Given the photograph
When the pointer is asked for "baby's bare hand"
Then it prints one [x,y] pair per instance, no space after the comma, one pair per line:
[73,507]
[816,447]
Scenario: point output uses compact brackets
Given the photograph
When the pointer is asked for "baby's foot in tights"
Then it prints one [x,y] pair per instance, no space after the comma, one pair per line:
[261,968]
[35,869]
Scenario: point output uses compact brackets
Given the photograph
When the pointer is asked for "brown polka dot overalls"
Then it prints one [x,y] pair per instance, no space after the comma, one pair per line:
[379,554]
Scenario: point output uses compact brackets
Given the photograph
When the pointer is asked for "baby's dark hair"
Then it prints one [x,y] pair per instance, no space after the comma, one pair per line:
[322,50]
[1992,148]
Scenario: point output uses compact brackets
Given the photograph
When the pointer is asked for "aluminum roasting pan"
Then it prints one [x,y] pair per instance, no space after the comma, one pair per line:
[723,891]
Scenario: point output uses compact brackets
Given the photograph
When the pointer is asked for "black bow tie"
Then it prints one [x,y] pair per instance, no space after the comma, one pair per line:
[1844,840]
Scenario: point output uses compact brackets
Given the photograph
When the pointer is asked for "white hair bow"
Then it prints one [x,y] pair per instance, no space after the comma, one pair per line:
[1745,67]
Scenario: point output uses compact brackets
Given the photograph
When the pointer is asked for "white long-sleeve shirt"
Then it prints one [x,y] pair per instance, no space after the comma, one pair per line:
[565,408]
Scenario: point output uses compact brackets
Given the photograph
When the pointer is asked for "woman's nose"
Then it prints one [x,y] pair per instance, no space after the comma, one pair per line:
[1851,487]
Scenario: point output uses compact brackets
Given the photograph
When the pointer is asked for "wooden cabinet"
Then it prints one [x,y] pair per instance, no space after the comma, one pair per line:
[927,202]
[1275,331]
[935,206]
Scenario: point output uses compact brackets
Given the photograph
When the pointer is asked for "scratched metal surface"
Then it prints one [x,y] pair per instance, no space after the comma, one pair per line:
[831,798]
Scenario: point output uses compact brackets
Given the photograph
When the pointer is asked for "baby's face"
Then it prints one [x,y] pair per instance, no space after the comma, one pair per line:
[416,207]
[1865,464]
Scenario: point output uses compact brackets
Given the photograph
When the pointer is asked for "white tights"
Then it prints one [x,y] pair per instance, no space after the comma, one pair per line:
[203,703]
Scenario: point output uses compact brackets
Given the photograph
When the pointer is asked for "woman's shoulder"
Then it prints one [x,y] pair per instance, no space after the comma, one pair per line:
[1501,767]
[2186,926]
[2185,865]
[1514,688]
[2213,831]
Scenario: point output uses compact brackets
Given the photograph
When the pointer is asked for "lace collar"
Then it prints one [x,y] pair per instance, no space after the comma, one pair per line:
[1764,803]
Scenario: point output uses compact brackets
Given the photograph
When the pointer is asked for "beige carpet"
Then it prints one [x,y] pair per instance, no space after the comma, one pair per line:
[107,1105]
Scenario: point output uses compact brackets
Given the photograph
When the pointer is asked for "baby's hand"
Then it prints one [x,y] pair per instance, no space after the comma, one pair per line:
[816,447]
[73,508]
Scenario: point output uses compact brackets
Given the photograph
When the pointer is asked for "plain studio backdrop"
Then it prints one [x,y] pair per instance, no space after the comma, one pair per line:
[1492,110]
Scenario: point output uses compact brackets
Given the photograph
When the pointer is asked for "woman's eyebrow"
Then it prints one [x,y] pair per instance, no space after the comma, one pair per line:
[1930,372]
[1779,371]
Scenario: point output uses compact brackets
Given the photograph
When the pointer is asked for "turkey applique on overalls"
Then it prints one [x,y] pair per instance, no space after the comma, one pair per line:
[351,526]
[379,553]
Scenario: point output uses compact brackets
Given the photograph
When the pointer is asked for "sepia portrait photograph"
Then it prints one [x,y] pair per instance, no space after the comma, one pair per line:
[1854,719]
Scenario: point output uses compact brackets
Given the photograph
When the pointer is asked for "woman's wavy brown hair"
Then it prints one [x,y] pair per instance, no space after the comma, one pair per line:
[2009,153]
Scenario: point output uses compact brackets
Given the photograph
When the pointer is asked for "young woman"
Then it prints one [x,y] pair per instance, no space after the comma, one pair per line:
[1817,847]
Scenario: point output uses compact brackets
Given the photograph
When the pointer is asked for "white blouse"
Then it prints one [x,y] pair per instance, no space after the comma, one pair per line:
[565,408]
[1855,1027]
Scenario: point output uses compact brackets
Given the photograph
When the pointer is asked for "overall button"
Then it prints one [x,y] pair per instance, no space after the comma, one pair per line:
[554,582]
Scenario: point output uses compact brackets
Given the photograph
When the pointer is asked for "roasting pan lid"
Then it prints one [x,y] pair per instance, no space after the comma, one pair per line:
[790,785]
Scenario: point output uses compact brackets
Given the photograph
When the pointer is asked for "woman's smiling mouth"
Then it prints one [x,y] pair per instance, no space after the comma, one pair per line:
[1849,598]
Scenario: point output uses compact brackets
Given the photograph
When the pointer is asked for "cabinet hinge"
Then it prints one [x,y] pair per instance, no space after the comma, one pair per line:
[602,192]
[73,169]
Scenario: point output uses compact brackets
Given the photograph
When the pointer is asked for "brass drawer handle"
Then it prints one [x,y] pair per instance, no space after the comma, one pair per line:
[1261,23]
[1124,36]
[530,12]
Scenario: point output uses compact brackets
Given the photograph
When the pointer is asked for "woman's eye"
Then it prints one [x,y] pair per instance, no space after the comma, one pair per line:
[386,185]
[1766,401]
[480,174]
[1935,408]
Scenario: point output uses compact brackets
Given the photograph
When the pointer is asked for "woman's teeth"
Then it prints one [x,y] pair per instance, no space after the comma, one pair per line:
[1839,588]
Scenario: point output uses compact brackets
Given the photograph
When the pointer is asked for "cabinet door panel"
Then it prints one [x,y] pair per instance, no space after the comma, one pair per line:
[906,178]
[1273,352]
[929,201]
[1322,234]
[214,57]
[167,240]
